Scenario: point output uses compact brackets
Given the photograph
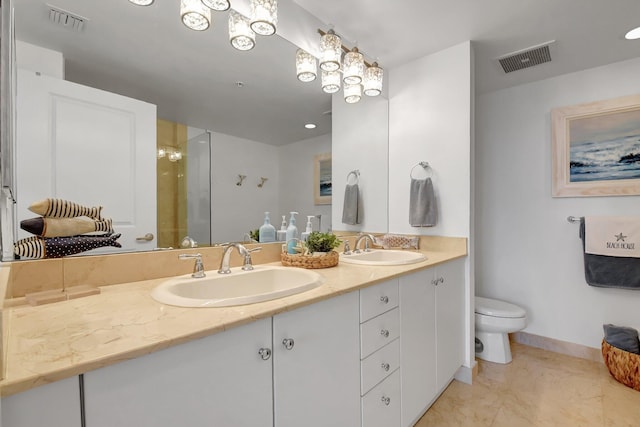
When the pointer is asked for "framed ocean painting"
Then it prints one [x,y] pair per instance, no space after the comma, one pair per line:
[322,182]
[596,148]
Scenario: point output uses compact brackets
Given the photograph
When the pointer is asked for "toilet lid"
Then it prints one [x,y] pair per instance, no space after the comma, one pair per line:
[497,308]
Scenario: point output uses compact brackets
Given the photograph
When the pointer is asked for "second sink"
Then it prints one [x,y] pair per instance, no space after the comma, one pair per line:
[383,257]
[240,287]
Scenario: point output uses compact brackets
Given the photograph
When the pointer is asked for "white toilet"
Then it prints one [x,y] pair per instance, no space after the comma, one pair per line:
[495,319]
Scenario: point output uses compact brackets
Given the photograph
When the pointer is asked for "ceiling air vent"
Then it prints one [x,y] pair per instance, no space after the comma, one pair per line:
[526,58]
[66,19]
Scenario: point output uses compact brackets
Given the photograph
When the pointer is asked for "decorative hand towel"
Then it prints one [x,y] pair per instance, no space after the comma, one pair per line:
[606,271]
[423,211]
[352,211]
[612,236]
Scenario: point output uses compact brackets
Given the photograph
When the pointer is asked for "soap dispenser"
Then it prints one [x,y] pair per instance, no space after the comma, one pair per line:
[282,233]
[267,232]
[304,236]
[292,233]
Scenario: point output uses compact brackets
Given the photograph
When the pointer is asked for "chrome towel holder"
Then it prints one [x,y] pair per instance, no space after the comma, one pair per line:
[574,219]
[425,166]
[355,173]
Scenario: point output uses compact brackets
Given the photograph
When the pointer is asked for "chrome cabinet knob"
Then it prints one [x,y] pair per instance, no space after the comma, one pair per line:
[385,333]
[386,367]
[386,400]
[384,299]
[288,343]
[265,353]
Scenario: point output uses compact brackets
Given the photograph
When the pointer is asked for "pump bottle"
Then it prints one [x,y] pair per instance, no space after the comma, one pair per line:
[304,236]
[267,232]
[292,233]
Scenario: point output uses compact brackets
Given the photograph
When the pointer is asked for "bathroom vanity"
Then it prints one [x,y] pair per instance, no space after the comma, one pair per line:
[373,346]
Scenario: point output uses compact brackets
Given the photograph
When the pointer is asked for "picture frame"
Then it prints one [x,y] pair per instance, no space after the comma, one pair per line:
[596,148]
[322,179]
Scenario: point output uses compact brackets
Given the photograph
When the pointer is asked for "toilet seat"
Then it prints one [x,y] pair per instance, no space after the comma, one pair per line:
[497,308]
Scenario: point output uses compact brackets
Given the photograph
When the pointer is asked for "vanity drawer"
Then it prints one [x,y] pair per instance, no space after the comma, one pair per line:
[381,406]
[378,332]
[379,365]
[377,299]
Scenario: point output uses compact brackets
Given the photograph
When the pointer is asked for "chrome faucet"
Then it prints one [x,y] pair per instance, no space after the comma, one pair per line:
[246,253]
[198,267]
[188,242]
[364,237]
[347,248]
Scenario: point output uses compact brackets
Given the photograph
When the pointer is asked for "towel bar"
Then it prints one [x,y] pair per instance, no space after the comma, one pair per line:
[425,166]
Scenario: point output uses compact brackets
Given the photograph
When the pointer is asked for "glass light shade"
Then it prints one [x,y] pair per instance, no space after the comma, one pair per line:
[174,156]
[219,5]
[264,16]
[352,93]
[195,15]
[353,68]
[162,152]
[331,81]
[372,81]
[142,2]
[330,52]
[241,35]
[306,66]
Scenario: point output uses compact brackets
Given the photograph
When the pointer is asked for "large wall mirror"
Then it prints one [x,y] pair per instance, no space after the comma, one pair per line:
[236,118]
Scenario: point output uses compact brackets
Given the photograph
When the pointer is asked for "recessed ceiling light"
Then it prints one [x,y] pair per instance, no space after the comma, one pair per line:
[633,34]
[310,125]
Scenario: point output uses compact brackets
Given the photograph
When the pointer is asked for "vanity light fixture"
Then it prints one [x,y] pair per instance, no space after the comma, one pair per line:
[633,34]
[372,80]
[331,81]
[353,68]
[264,16]
[195,14]
[352,93]
[142,2]
[306,66]
[330,51]
[241,35]
[217,5]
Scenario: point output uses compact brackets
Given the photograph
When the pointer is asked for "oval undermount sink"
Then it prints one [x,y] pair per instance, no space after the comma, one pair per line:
[383,257]
[240,287]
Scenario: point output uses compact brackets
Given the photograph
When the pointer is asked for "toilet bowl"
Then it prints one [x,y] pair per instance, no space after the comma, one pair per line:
[495,319]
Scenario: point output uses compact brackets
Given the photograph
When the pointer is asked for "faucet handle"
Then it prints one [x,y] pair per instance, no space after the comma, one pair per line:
[198,267]
[347,248]
[248,263]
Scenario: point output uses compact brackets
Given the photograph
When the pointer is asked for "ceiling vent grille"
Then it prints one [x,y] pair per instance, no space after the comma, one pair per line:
[526,58]
[66,19]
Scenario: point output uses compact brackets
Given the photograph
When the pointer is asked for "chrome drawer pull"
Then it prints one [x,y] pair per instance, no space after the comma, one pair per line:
[264,353]
[386,367]
[386,400]
[385,333]
[384,300]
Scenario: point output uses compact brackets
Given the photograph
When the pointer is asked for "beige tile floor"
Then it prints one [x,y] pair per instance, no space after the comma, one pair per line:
[539,388]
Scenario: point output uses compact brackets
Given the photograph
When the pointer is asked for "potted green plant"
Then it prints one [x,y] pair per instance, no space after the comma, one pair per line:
[322,242]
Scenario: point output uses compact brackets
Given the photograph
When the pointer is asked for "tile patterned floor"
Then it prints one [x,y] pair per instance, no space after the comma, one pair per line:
[539,388]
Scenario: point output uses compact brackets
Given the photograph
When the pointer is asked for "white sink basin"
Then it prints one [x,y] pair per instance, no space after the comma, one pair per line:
[239,287]
[383,257]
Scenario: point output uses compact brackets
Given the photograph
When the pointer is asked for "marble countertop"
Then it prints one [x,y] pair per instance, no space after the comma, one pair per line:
[51,342]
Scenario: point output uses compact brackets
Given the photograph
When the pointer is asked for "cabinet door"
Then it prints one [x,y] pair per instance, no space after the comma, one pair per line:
[317,376]
[52,405]
[220,380]
[417,344]
[450,320]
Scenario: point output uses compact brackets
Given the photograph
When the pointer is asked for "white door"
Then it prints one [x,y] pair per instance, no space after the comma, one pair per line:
[317,375]
[88,146]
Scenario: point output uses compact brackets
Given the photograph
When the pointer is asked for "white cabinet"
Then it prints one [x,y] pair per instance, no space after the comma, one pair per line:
[432,335]
[316,364]
[52,405]
[218,380]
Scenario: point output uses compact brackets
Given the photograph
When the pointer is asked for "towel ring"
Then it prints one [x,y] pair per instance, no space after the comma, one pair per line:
[355,173]
[425,166]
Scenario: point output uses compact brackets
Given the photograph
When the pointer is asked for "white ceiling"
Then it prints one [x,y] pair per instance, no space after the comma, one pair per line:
[146,52]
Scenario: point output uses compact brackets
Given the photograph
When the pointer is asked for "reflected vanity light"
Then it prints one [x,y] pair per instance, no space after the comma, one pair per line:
[353,67]
[217,5]
[306,66]
[195,15]
[331,81]
[352,93]
[264,16]
[241,35]
[372,81]
[330,51]
[142,2]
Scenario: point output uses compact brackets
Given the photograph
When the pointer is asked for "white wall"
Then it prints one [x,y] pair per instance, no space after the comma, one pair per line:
[296,171]
[238,209]
[360,135]
[40,59]
[430,120]
[527,252]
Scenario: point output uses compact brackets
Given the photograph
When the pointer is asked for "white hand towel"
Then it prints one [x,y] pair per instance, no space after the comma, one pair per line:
[423,211]
[352,211]
[612,236]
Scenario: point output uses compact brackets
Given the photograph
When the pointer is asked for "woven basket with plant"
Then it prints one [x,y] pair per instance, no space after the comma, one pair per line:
[316,252]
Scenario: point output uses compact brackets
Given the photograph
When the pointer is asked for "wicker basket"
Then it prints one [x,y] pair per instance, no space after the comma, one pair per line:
[622,365]
[330,259]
